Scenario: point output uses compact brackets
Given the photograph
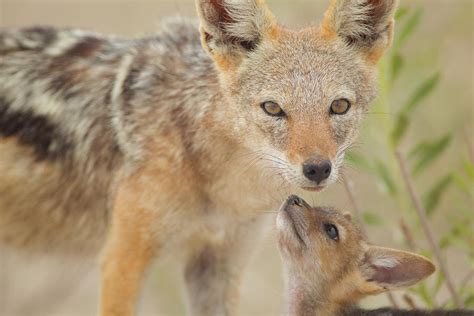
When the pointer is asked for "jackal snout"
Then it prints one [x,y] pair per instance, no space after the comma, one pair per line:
[313,151]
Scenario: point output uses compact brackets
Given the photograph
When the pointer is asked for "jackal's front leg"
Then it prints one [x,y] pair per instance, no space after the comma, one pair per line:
[128,252]
[213,273]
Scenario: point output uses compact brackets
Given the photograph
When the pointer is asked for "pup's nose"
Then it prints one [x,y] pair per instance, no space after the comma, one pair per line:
[294,200]
[317,171]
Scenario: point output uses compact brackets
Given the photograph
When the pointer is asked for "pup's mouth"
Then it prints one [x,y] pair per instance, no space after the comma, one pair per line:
[290,219]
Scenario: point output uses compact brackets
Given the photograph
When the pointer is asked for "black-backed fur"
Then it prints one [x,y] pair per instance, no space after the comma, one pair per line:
[35,131]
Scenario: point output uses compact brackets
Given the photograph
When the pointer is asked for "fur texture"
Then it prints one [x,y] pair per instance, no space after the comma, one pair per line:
[141,147]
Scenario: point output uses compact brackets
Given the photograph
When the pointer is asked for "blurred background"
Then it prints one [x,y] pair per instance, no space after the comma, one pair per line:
[424,112]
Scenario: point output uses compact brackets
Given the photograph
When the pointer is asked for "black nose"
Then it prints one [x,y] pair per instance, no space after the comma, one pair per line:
[317,171]
[294,200]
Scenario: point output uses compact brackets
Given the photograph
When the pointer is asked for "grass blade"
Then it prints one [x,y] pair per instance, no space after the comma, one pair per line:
[401,12]
[407,29]
[432,198]
[358,161]
[396,65]
[386,177]
[372,219]
[422,92]
[400,129]
[429,152]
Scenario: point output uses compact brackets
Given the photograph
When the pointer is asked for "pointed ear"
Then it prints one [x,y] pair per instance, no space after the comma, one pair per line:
[348,216]
[366,25]
[232,28]
[389,269]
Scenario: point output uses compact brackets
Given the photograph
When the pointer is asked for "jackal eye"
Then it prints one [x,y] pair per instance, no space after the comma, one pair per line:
[331,231]
[340,106]
[272,109]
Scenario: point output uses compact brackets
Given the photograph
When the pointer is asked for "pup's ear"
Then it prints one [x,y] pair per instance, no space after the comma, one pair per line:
[348,216]
[387,269]
[232,28]
[367,25]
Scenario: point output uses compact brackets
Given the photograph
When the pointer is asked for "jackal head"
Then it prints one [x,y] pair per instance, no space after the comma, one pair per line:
[297,96]
[323,251]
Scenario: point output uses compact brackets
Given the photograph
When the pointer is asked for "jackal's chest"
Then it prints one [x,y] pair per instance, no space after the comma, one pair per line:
[236,201]
[248,189]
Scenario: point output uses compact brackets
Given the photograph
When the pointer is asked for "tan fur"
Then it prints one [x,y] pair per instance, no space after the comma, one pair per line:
[306,142]
[29,230]
[129,248]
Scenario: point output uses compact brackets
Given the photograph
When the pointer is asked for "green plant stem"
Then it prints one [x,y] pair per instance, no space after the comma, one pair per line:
[427,229]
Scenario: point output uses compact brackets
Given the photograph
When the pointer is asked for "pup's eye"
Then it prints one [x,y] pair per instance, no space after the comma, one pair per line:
[272,109]
[331,231]
[340,106]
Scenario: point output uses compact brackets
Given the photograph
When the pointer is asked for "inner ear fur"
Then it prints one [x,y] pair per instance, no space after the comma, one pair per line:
[394,269]
[231,28]
[366,25]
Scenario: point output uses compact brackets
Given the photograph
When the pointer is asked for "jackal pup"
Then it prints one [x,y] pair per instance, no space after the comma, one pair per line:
[329,265]
[157,144]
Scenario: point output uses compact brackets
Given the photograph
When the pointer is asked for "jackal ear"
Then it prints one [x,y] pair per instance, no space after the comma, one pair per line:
[231,28]
[387,269]
[364,24]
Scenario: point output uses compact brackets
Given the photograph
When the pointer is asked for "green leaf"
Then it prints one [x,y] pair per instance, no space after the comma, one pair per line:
[462,184]
[469,301]
[400,129]
[427,253]
[424,294]
[407,29]
[460,231]
[432,198]
[358,161]
[421,92]
[396,65]
[445,242]
[429,152]
[372,219]
[459,235]
[469,168]
[419,150]
[401,12]
[384,175]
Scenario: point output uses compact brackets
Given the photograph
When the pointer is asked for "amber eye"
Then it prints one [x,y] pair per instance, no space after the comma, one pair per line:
[331,231]
[272,109]
[340,106]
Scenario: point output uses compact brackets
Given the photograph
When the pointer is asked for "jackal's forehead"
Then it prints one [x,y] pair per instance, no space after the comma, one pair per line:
[302,71]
